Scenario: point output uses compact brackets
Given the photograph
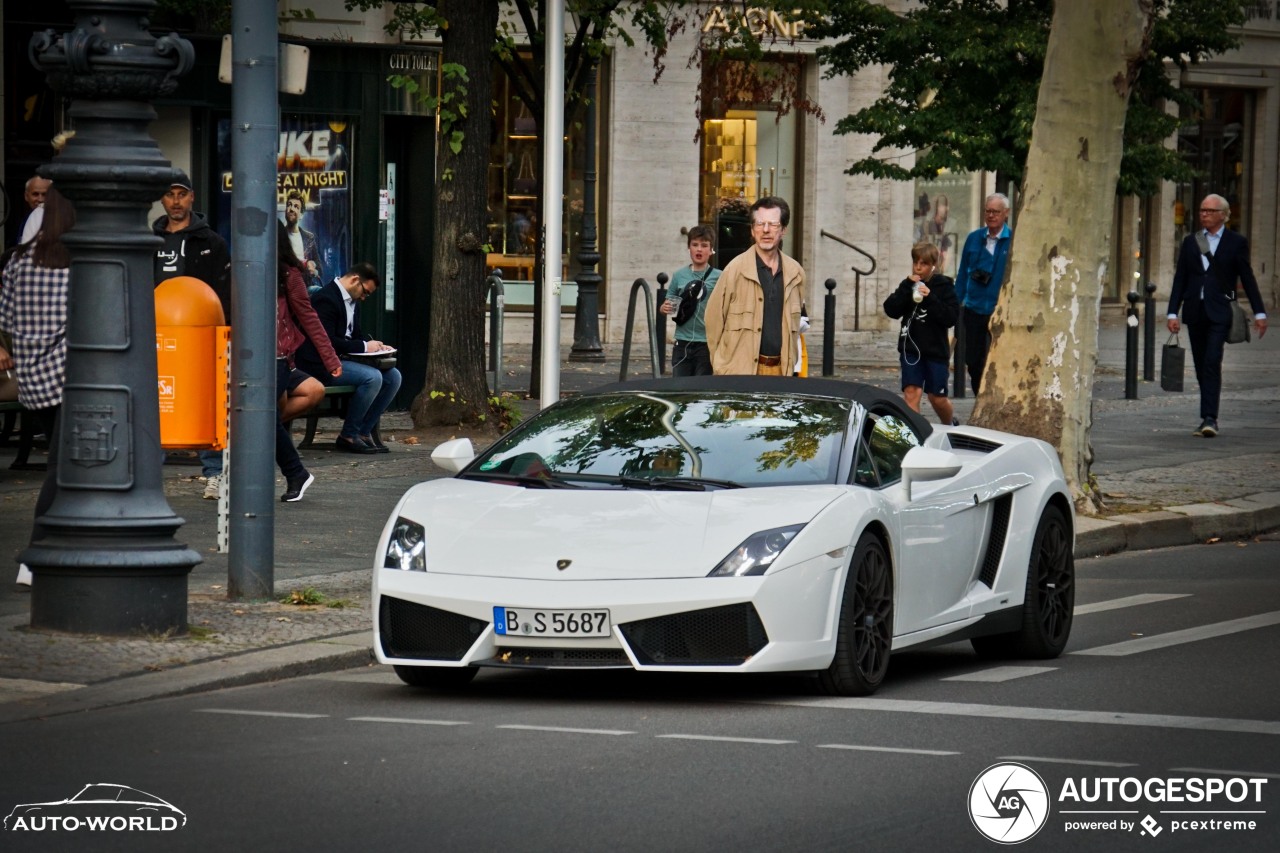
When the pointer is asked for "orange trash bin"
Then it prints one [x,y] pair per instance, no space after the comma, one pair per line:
[191,364]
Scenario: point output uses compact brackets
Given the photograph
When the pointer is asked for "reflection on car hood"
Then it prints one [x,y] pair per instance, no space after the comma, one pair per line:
[477,528]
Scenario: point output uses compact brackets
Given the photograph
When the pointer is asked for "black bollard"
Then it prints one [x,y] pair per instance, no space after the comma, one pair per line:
[958,374]
[1131,348]
[1149,335]
[660,320]
[829,329]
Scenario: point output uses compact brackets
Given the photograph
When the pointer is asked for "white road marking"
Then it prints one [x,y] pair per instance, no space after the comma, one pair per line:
[567,730]
[886,749]
[1047,715]
[407,720]
[1127,601]
[1187,635]
[1001,673]
[259,713]
[726,739]
[1043,759]
[1211,772]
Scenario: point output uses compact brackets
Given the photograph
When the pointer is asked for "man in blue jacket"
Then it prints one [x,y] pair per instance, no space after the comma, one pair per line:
[978,281]
[1212,259]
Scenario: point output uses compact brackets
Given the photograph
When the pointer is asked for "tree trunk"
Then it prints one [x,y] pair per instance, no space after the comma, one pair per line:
[1039,378]
[456,391]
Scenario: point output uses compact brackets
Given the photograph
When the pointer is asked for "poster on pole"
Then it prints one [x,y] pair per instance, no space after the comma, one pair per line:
[313,191]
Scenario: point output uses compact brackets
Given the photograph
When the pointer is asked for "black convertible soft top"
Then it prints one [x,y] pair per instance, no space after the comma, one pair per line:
[869,396]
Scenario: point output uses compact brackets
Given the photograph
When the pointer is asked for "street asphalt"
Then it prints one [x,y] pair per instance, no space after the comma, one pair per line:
[1163,487]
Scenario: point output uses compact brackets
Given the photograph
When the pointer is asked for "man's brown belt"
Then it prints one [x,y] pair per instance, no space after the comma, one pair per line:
[769,360]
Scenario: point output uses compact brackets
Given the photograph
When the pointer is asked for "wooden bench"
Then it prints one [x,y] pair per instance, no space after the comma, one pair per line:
[336,400]
[12,410]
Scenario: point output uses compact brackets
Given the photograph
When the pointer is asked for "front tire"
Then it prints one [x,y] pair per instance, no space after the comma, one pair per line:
[864,636]
[1050,597]
[436,677]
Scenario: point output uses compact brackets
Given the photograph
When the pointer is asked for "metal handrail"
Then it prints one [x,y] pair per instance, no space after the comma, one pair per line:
[497,314]
[857,274]
[636,286]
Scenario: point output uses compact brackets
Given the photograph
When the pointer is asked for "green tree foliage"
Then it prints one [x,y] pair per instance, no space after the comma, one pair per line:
[963,76]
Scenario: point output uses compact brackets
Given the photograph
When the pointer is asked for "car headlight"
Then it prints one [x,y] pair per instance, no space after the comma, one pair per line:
[756,553]
[407,547]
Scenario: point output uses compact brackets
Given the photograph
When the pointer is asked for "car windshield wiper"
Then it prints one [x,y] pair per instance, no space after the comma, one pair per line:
[541,482]
[688,484]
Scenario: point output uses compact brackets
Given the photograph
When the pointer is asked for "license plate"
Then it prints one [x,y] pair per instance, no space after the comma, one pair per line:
[561,624]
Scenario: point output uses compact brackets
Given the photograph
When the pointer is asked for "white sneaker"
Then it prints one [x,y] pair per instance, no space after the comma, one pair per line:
[24,575]
[211,487]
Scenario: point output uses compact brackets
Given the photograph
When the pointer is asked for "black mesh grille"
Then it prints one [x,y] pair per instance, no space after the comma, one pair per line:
[960,441]
[556,658]
[411,630]
[995,543]
[718,636]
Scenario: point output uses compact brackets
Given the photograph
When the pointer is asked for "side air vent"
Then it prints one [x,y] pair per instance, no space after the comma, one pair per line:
[1001,509]
[960,441]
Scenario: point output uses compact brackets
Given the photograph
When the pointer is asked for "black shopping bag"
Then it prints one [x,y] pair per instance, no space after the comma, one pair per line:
[1172,362]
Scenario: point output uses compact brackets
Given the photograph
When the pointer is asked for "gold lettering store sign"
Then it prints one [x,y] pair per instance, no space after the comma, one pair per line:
[758,22]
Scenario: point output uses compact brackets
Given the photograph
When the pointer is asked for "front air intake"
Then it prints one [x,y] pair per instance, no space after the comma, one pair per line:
[717,636]
[409,630]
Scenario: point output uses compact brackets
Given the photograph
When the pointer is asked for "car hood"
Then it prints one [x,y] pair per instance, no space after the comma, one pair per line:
[486,529]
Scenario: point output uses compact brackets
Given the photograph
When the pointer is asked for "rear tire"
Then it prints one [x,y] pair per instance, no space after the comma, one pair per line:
[1050,597]
[864,635]
[436,677]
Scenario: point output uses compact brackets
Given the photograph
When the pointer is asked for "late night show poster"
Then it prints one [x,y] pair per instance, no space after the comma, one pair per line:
[313,159]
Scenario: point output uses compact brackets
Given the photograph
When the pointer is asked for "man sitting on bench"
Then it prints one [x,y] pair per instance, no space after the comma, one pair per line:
[338,306]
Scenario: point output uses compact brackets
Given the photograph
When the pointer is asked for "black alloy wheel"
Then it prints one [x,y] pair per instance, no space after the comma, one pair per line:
[1048,607]
[864,638]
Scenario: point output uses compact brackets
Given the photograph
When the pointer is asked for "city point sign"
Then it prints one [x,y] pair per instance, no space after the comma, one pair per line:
[758,22]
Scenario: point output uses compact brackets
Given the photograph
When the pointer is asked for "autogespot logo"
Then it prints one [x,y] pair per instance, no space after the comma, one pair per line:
[103,807]
[1008,803]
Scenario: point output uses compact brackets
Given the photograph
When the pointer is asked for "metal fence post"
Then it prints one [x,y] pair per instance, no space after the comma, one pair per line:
[829,329]
[1131,347]
[1149,335]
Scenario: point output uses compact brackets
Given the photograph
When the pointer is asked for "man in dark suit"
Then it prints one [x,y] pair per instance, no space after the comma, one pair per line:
[1210,262]
[338,306]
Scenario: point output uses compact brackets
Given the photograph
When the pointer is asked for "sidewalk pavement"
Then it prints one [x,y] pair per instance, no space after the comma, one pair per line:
[1163,487]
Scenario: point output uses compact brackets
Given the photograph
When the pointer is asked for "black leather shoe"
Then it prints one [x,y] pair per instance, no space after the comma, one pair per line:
[1208,428]
[377,445]
[352,445]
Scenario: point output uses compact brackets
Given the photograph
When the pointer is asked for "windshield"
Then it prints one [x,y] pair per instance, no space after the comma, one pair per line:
[732,438]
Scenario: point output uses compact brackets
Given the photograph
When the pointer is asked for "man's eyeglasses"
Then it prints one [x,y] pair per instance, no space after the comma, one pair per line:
[365,290]
[1212,210]
[993,211]
[767,226]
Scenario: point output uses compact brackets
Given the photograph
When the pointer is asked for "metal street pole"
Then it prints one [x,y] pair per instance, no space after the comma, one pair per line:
[586,315]
[255,139]
[552,204]
[107,561]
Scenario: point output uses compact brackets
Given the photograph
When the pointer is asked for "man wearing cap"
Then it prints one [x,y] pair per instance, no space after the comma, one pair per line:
[192,248]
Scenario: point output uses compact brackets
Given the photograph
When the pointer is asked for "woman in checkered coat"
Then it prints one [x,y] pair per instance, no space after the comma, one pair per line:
[33,310]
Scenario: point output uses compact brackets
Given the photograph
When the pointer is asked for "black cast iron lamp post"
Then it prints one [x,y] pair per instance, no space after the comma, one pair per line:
[108,561]
[586,314]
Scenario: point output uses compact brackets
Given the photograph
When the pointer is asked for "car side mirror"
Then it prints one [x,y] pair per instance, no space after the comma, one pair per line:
[922,464]
[454,455]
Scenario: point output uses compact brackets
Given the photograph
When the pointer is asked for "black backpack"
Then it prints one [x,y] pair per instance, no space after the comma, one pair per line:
[690,298]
